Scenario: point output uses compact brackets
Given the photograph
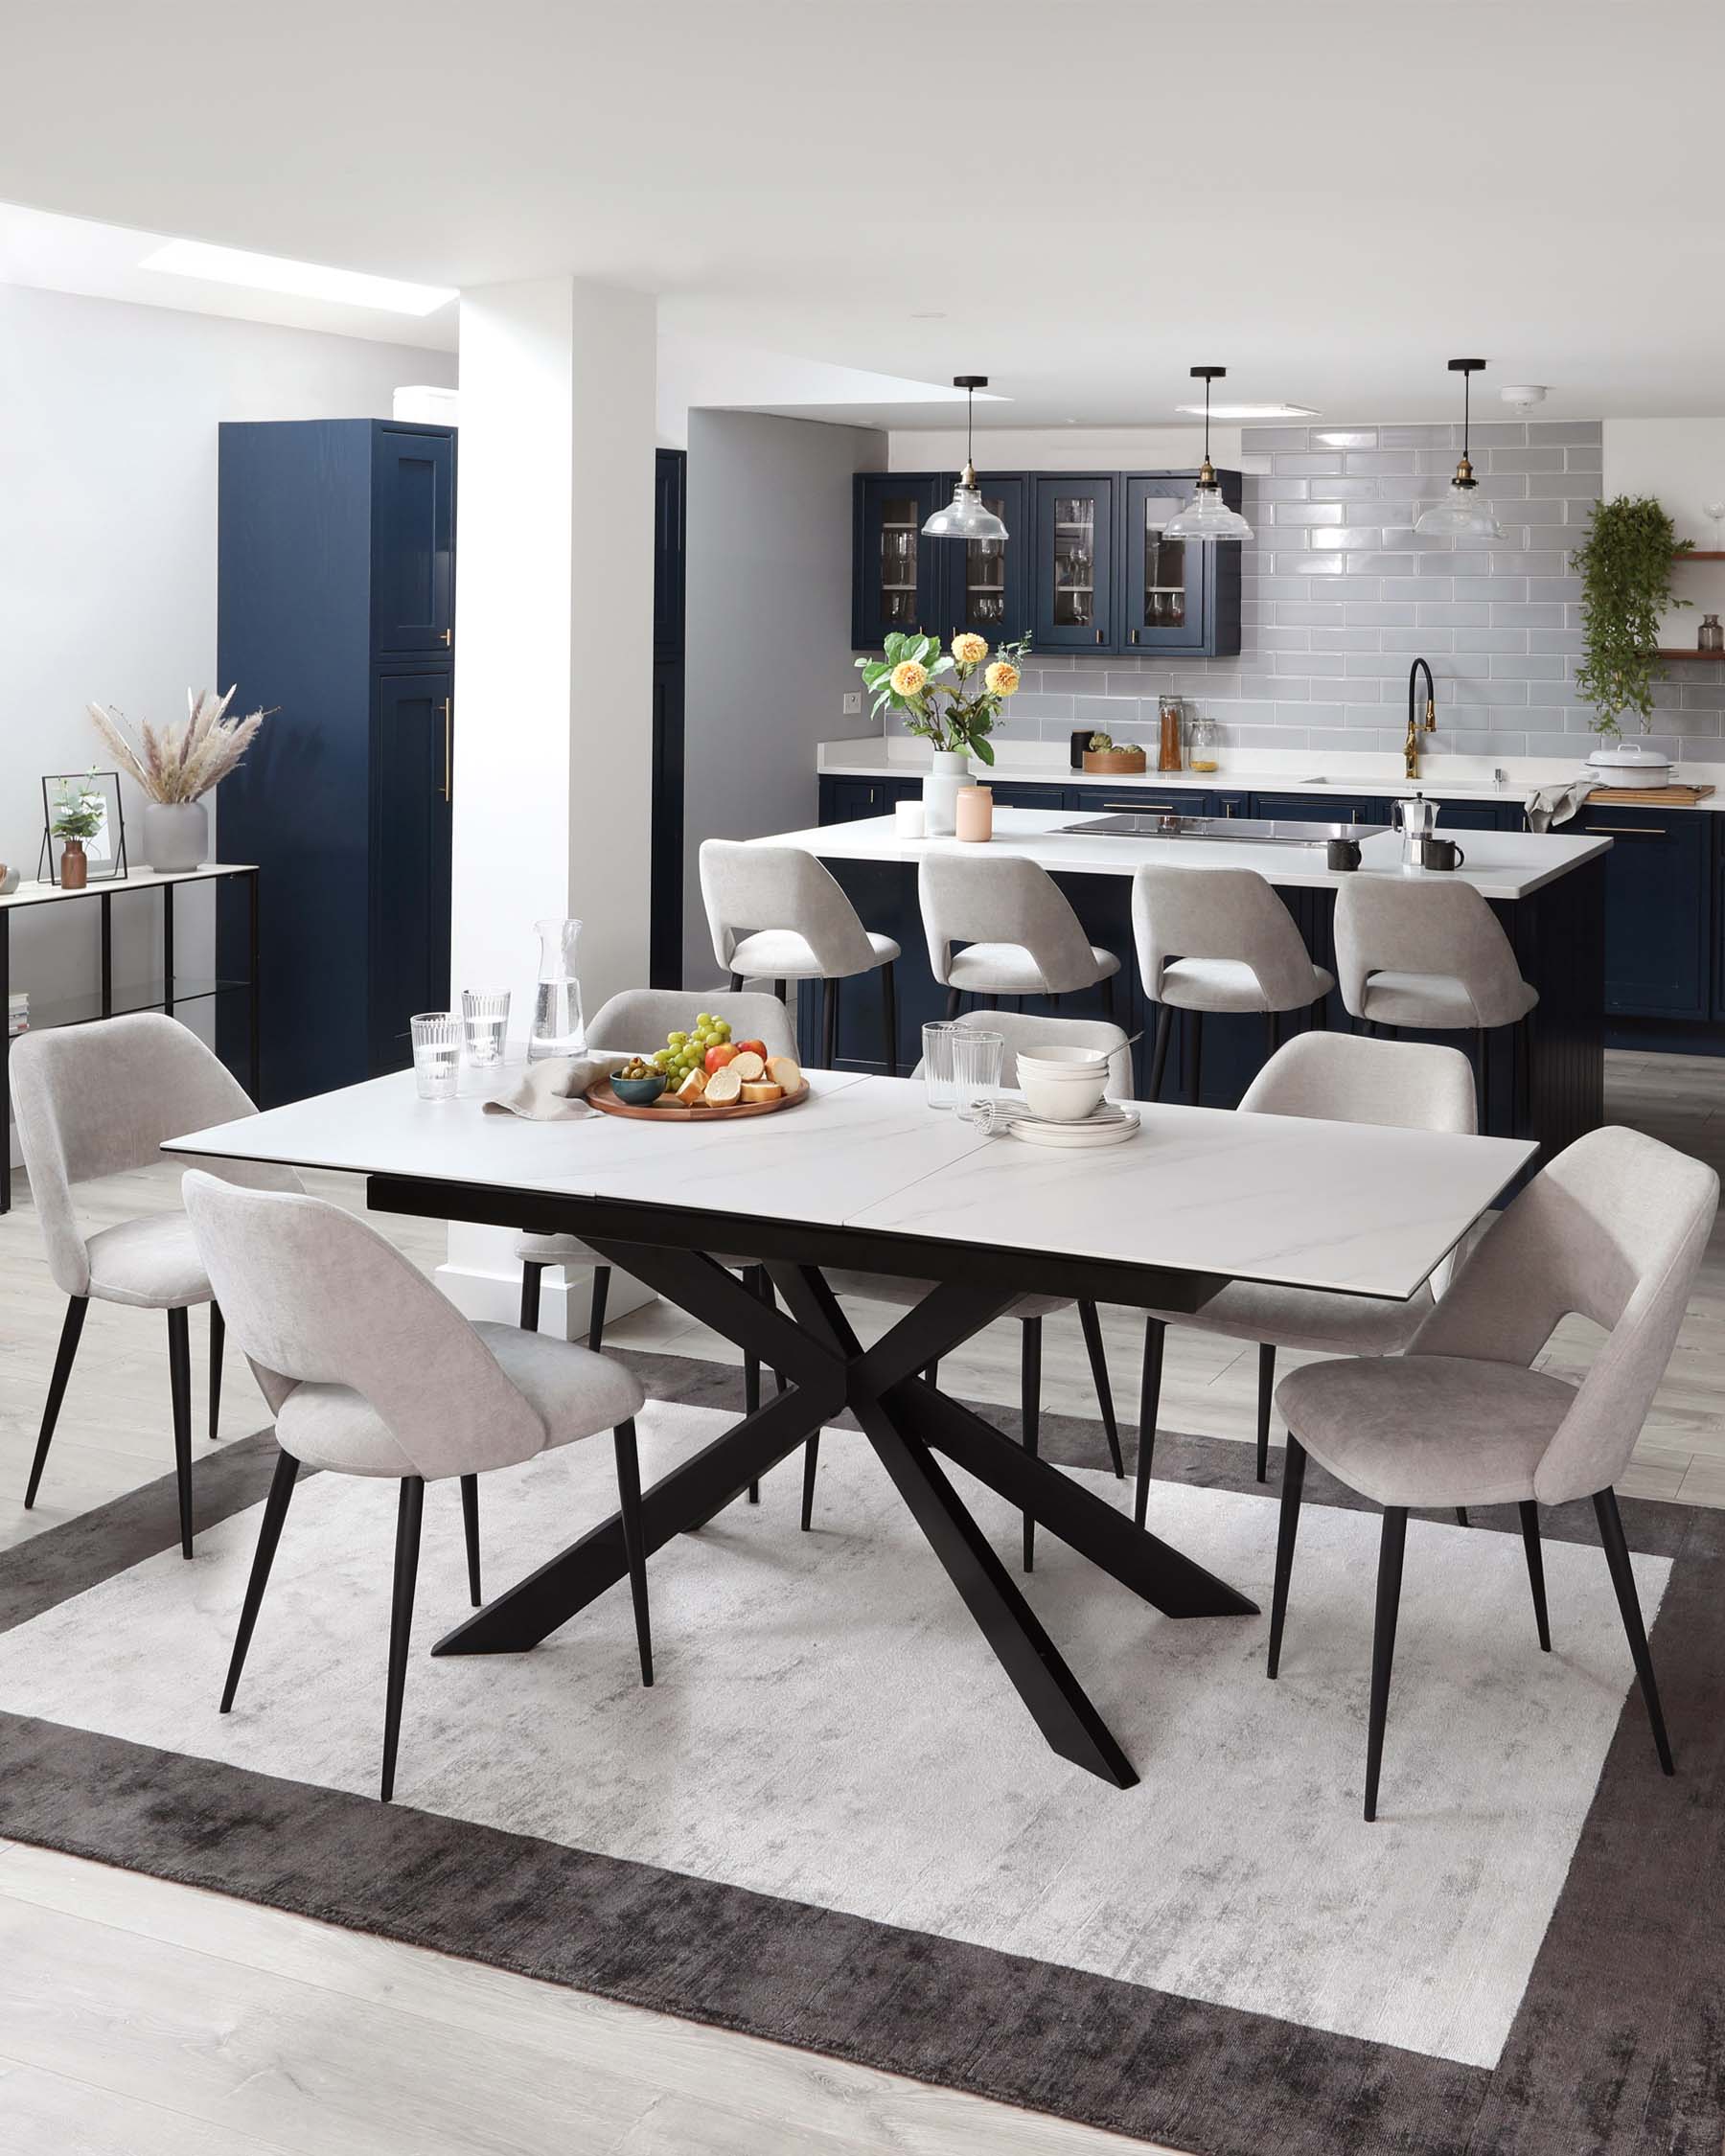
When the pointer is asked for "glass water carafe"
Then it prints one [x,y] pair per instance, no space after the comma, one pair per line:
[558,1029]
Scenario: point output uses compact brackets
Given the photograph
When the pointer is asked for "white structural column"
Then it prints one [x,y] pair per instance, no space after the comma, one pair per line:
[553,666]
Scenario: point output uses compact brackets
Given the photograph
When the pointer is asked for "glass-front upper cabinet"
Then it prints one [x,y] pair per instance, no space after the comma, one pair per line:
[1173,587]
[1074,562]
[988,581]
[895,572]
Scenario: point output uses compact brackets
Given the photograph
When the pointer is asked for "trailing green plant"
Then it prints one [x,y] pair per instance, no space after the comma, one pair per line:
[1625,572]
[953,699]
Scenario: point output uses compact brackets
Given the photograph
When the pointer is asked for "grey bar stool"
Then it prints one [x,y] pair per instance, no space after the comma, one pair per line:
[998,925]
[370,1371]
[1615,1229]
[1217,939]
[96,1100]
[1428,954]
[1336,1078]
[777,914]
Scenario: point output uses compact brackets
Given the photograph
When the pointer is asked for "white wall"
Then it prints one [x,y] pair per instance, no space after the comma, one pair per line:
[767,630]
[1681,463]
[107,551]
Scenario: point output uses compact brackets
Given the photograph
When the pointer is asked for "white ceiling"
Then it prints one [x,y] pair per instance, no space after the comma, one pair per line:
[1332,198]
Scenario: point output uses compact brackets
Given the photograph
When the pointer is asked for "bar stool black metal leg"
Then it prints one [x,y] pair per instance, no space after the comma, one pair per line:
[179,1386]
[1391,1545]
[1622,1578]
[1091,1322]
[1265,1401]
[828,1023]
[1149,1398]
[410,1512]
[889,1014]
[601,1292]
[71,1331]
[470,1529]
[634,1543]
[1158,1059]
[1529,1527]
[217,1341]
[530,1296]
[269,1533]
[1030,1414]
[1286,1533]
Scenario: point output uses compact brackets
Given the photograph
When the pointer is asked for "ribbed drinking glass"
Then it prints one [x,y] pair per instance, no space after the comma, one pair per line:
[436,1054]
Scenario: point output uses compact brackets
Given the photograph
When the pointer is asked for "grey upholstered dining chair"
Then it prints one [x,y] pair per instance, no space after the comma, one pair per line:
[1027,1031]
[1217,939]
[1614,1230]
[370,1371]
[1334,1078]
[97,1100]
[779,914]
[998,925]
[1428,953]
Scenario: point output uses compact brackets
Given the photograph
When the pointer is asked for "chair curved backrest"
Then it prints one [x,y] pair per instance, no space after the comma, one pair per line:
[1614,1228]
[747,887]
[1024,1030]
[1347,1078]
[316,1296]
[638,1018]
[95,1100]
[1219,914]
[974,897]
[1425,925]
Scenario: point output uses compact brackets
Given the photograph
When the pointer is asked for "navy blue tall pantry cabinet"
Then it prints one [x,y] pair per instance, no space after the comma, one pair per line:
[336,612]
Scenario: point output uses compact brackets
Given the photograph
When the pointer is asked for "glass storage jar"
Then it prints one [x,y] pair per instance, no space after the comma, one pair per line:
[1204,738]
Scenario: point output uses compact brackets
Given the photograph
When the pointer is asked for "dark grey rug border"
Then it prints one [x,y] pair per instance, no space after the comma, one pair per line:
[1619,2048]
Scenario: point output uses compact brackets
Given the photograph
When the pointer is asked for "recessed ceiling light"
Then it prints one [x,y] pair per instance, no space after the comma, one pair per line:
[934,315]
[1251,412]
[307,280]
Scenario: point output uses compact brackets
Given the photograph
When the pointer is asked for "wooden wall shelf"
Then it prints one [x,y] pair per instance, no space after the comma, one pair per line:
[1681,652]
[1699,554]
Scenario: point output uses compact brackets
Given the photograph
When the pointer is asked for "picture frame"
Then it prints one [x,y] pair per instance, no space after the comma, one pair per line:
[106,852]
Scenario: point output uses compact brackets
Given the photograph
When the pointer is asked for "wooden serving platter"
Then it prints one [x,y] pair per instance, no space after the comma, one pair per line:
[667,1108]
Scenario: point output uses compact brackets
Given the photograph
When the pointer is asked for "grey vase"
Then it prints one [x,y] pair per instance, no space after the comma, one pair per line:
[176,835]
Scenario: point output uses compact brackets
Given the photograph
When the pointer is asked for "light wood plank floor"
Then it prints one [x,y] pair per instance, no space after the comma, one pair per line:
[138,2016]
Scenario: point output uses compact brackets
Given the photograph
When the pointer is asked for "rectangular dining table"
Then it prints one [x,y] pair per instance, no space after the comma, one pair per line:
[863,1176]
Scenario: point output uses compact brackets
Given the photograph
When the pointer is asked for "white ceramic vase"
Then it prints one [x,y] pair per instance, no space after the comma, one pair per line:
[951,769]
[176,835]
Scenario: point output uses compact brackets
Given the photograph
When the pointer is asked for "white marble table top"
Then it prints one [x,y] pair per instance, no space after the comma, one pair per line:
[1259,1197]
[36,893]
[1500,864]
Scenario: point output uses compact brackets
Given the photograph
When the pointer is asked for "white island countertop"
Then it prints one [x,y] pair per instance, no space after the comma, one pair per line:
[1500,864]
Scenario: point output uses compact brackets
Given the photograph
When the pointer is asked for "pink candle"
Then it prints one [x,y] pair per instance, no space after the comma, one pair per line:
[975,813]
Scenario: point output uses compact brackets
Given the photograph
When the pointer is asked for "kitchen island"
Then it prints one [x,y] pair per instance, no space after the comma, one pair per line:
[1548,892]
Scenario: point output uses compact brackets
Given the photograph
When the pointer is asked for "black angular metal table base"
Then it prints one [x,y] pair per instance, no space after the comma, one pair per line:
[908,1421]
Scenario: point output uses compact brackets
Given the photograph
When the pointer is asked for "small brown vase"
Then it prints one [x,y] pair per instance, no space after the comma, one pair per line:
[75,865]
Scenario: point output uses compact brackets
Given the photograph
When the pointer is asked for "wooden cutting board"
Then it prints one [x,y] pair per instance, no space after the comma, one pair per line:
[1649,797]
[669,1109]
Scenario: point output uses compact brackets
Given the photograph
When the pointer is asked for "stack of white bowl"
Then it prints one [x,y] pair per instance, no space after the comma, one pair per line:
[1063,1084]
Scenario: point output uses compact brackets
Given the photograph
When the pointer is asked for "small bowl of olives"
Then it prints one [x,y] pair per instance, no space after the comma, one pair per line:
[637,1084]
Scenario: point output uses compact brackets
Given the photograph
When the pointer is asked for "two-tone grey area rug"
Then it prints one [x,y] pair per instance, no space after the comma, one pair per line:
[831,1822]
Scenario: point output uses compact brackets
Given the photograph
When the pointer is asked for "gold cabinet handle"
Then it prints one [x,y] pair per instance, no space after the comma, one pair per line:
[447,766]
[448,637]
[1626,831]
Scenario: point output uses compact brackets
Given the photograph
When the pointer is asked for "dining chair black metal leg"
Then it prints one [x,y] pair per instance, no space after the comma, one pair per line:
[269,1533]
[179,1386]
[1272,1033]
[1461,1515]
[1030,1414]
[1482,1082]
[634,1542]
[601,1292]
[1194,1058]
[1266,1401]
[1287,1531]
[1108,997]
[1149,1399]
[1091,1322]
[736,984]
[530,1296]
[828,1023]
[1391,1545]
[1159,1059]
[1529,1527]
[217,1341]
[470,1527]
[952,1007]
[410,1512]
[78,1308]
[778,989]
[1622,1578]
[890,1016]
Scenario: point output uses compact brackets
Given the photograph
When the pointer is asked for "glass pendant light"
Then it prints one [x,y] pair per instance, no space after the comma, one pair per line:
[1464,513]
[964,516]
[1207,516]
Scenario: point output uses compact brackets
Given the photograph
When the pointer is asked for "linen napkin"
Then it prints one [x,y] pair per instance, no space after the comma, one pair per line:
[551,1091]
[1548,805]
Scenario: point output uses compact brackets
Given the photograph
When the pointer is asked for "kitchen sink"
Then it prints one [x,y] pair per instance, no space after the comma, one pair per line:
[1257,831]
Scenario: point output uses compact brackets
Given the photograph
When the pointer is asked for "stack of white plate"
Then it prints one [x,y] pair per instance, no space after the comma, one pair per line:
[1110,1124]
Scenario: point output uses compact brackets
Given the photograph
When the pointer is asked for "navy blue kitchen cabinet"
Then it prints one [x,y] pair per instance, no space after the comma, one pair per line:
[334,597]
[1319,808]
[1658,909]
[1076,606]
[896,574]
[1478,816]
[1177,595]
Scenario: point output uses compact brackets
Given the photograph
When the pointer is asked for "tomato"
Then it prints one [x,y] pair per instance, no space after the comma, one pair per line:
[720,1054]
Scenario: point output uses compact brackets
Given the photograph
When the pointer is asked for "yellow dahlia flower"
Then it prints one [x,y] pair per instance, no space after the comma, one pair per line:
[908,677]
[969,648]
[1002,678]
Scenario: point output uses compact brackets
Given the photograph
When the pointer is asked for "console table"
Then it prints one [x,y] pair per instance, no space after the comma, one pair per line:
[164,994]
